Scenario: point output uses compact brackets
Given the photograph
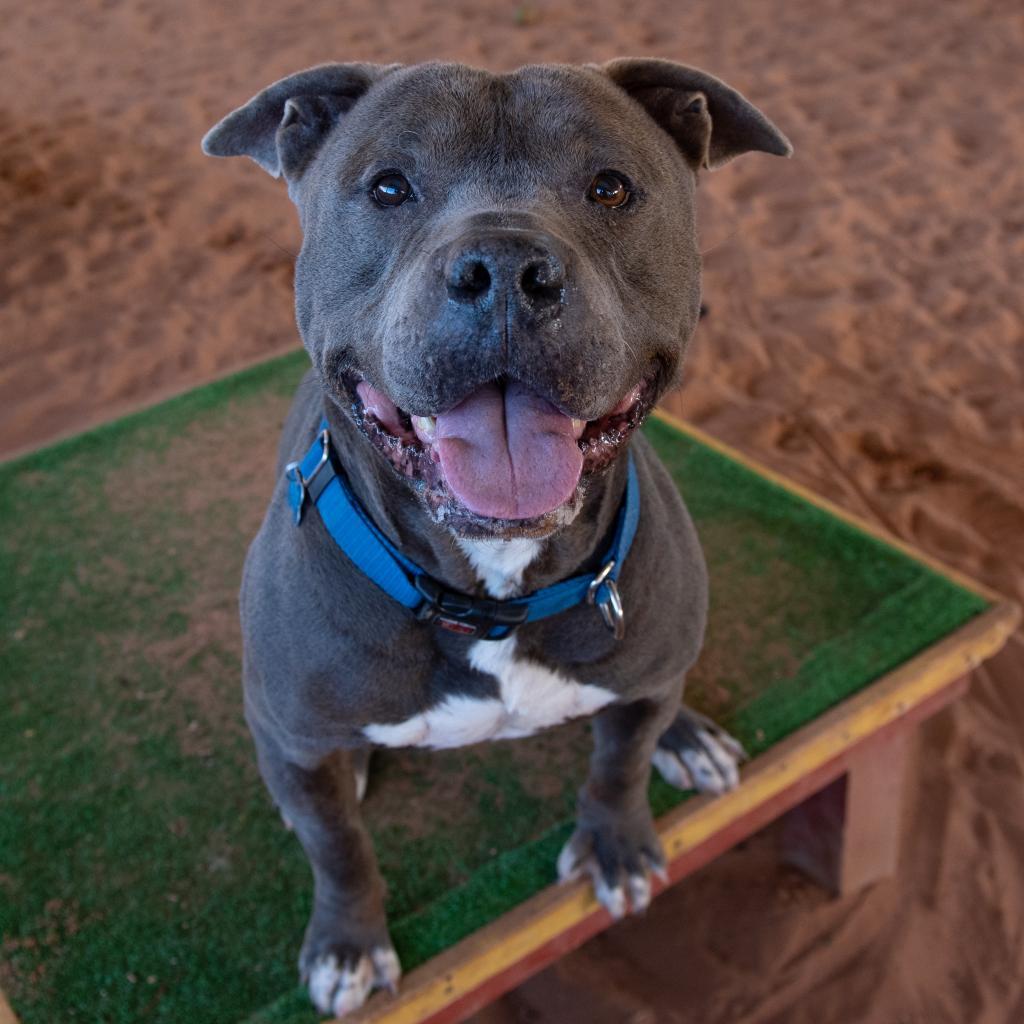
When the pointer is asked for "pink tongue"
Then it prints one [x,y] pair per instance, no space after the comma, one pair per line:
[508,455]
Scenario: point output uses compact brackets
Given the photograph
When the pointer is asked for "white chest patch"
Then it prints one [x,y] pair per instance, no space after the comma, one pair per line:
[500,564]
[531,696]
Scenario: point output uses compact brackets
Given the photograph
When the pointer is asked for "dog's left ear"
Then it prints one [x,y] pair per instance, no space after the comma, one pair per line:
[710,122]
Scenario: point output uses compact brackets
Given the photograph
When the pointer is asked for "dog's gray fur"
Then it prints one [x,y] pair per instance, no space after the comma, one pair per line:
[490,157]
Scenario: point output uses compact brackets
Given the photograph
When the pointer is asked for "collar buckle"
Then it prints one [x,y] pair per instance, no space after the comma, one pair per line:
[465,615]
[299,483]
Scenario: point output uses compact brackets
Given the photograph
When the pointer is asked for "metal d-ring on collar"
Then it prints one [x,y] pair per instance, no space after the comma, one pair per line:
[611,607]
[318,479]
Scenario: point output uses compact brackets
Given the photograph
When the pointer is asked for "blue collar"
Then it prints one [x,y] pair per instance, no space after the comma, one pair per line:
[317,479]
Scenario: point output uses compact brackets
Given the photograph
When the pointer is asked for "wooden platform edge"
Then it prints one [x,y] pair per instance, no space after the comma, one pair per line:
[813,498]
[114,411]
[571,911]
[6,1013]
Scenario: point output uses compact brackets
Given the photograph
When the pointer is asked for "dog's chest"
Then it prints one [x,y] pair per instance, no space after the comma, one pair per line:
[531,696]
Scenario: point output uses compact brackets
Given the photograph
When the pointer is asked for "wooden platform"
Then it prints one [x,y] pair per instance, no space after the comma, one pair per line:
[144,873]
[838,780]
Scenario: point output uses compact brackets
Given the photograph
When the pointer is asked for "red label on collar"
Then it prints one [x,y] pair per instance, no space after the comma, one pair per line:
[455,627]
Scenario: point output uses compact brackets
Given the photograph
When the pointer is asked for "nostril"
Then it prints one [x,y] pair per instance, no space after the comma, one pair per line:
[542,281]
[469,279]
[478,278]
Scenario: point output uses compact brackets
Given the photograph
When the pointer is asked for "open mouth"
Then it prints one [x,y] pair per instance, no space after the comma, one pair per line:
[503,455]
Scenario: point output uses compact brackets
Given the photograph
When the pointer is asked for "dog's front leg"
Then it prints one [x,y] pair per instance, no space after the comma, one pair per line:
[346,952]
[615,841]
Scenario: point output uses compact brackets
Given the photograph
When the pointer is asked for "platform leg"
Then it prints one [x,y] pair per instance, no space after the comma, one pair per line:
[847,835]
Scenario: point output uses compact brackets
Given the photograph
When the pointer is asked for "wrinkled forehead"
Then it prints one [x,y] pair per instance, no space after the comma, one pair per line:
[450,116]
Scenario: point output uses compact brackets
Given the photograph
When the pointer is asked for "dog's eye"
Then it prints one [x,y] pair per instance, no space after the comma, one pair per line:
[609,190]
[391,189]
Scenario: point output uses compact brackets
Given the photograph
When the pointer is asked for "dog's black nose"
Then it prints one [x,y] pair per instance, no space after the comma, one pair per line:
[516,265]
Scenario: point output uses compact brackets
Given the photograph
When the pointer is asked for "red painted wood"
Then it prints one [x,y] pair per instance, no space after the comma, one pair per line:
[812,835]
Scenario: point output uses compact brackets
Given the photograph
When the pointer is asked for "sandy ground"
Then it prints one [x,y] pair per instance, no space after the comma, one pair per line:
[866,337]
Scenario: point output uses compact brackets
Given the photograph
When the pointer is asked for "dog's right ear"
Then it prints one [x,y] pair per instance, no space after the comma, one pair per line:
[282,127]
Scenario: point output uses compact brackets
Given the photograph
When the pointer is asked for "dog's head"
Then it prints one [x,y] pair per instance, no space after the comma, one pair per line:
[499,274]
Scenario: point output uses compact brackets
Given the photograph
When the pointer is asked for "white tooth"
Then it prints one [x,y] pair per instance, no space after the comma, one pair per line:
[578,426]
[425,426]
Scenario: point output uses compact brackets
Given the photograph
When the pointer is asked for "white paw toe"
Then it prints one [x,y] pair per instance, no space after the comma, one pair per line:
[568,866]
[704,771]
[611,897]
[323,980]
[362,779]
[658,869]
[339,990]
[709,765]
[725,754]
[577,860]
[734,750]
[387,970]
[671,769]
[639,893]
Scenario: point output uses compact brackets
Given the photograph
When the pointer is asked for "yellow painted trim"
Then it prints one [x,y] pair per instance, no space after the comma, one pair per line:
[828,506]
[552,912]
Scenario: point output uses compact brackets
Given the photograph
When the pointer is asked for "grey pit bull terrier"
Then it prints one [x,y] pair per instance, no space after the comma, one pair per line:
[499,278]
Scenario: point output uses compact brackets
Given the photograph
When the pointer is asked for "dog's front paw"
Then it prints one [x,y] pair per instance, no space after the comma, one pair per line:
[341,979]
[695,753]
[619,856]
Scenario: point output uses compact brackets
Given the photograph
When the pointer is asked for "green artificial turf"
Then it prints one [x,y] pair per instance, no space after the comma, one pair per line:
[143,872]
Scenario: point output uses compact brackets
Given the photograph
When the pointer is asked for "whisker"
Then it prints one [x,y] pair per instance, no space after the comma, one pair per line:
[273,241]
[722,241]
